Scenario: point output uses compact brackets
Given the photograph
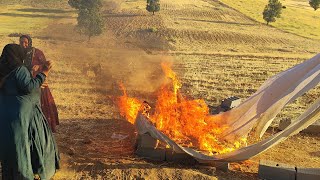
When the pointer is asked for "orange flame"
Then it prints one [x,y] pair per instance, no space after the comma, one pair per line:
[172,75]
[129,107]
[188,122]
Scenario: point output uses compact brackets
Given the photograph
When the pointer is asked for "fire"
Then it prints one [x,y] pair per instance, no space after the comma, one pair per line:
[129,107]
[172,75]
[188,122]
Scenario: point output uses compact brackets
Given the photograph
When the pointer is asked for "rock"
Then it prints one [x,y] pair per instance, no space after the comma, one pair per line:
[313,128]
[273,171]
[151,153]
[183,158]
[308,173]
[284,123]
[146,141]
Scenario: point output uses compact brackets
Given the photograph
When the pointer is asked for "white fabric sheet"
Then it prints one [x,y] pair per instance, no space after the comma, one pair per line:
[257,113]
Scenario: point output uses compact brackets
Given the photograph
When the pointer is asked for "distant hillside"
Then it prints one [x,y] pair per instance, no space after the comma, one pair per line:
[37,3]
[297,16]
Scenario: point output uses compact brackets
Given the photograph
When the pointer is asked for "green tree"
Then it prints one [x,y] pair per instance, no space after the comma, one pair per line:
[314,4]
[90,21]
[153,6]
[272,11]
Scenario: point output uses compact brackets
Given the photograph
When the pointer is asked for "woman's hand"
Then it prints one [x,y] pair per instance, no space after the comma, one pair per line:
[35,68]
[46,68]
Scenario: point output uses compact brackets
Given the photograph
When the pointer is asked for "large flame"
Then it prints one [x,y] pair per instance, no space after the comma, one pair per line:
[129,107]
[187,122]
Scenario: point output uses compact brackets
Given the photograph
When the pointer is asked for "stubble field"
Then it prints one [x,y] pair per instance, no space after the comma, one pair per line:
[216,51]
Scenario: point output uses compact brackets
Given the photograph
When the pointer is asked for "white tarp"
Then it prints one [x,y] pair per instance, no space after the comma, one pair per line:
[257,112]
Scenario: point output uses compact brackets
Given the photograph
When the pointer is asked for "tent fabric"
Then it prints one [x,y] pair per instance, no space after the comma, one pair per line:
[262,107]
[257,113]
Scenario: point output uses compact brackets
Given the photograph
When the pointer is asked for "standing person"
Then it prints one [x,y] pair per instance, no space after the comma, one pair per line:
[27,146]
[35,61]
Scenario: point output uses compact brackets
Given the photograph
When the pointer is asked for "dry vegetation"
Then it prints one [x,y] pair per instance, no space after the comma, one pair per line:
[297,16]
[217,52]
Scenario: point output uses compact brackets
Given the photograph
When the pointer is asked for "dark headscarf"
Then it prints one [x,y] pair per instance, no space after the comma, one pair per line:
[29,52]
[29,40]
[11,58]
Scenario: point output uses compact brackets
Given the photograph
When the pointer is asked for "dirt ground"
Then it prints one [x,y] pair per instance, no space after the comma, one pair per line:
[216,51]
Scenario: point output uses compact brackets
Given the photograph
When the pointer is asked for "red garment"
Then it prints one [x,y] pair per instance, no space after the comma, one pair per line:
[49,108]
[48,105]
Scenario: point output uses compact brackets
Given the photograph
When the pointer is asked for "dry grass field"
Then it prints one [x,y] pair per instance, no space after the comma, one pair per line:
[216,51]
[297,16]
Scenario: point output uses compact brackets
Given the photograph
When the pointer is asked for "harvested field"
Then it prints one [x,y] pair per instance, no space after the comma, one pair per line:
[216,51]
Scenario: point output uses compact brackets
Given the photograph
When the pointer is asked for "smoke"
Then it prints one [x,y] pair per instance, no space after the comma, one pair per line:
[105,61]
[112,6]
[137,70]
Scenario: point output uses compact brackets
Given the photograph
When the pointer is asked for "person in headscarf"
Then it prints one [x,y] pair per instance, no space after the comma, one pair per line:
[35,61]
[27,146]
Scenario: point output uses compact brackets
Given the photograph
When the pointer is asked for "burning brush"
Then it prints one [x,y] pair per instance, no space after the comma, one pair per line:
[184,123]
[187,122]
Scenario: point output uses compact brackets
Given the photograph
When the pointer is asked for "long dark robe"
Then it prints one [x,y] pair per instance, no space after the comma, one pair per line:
[27,145]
